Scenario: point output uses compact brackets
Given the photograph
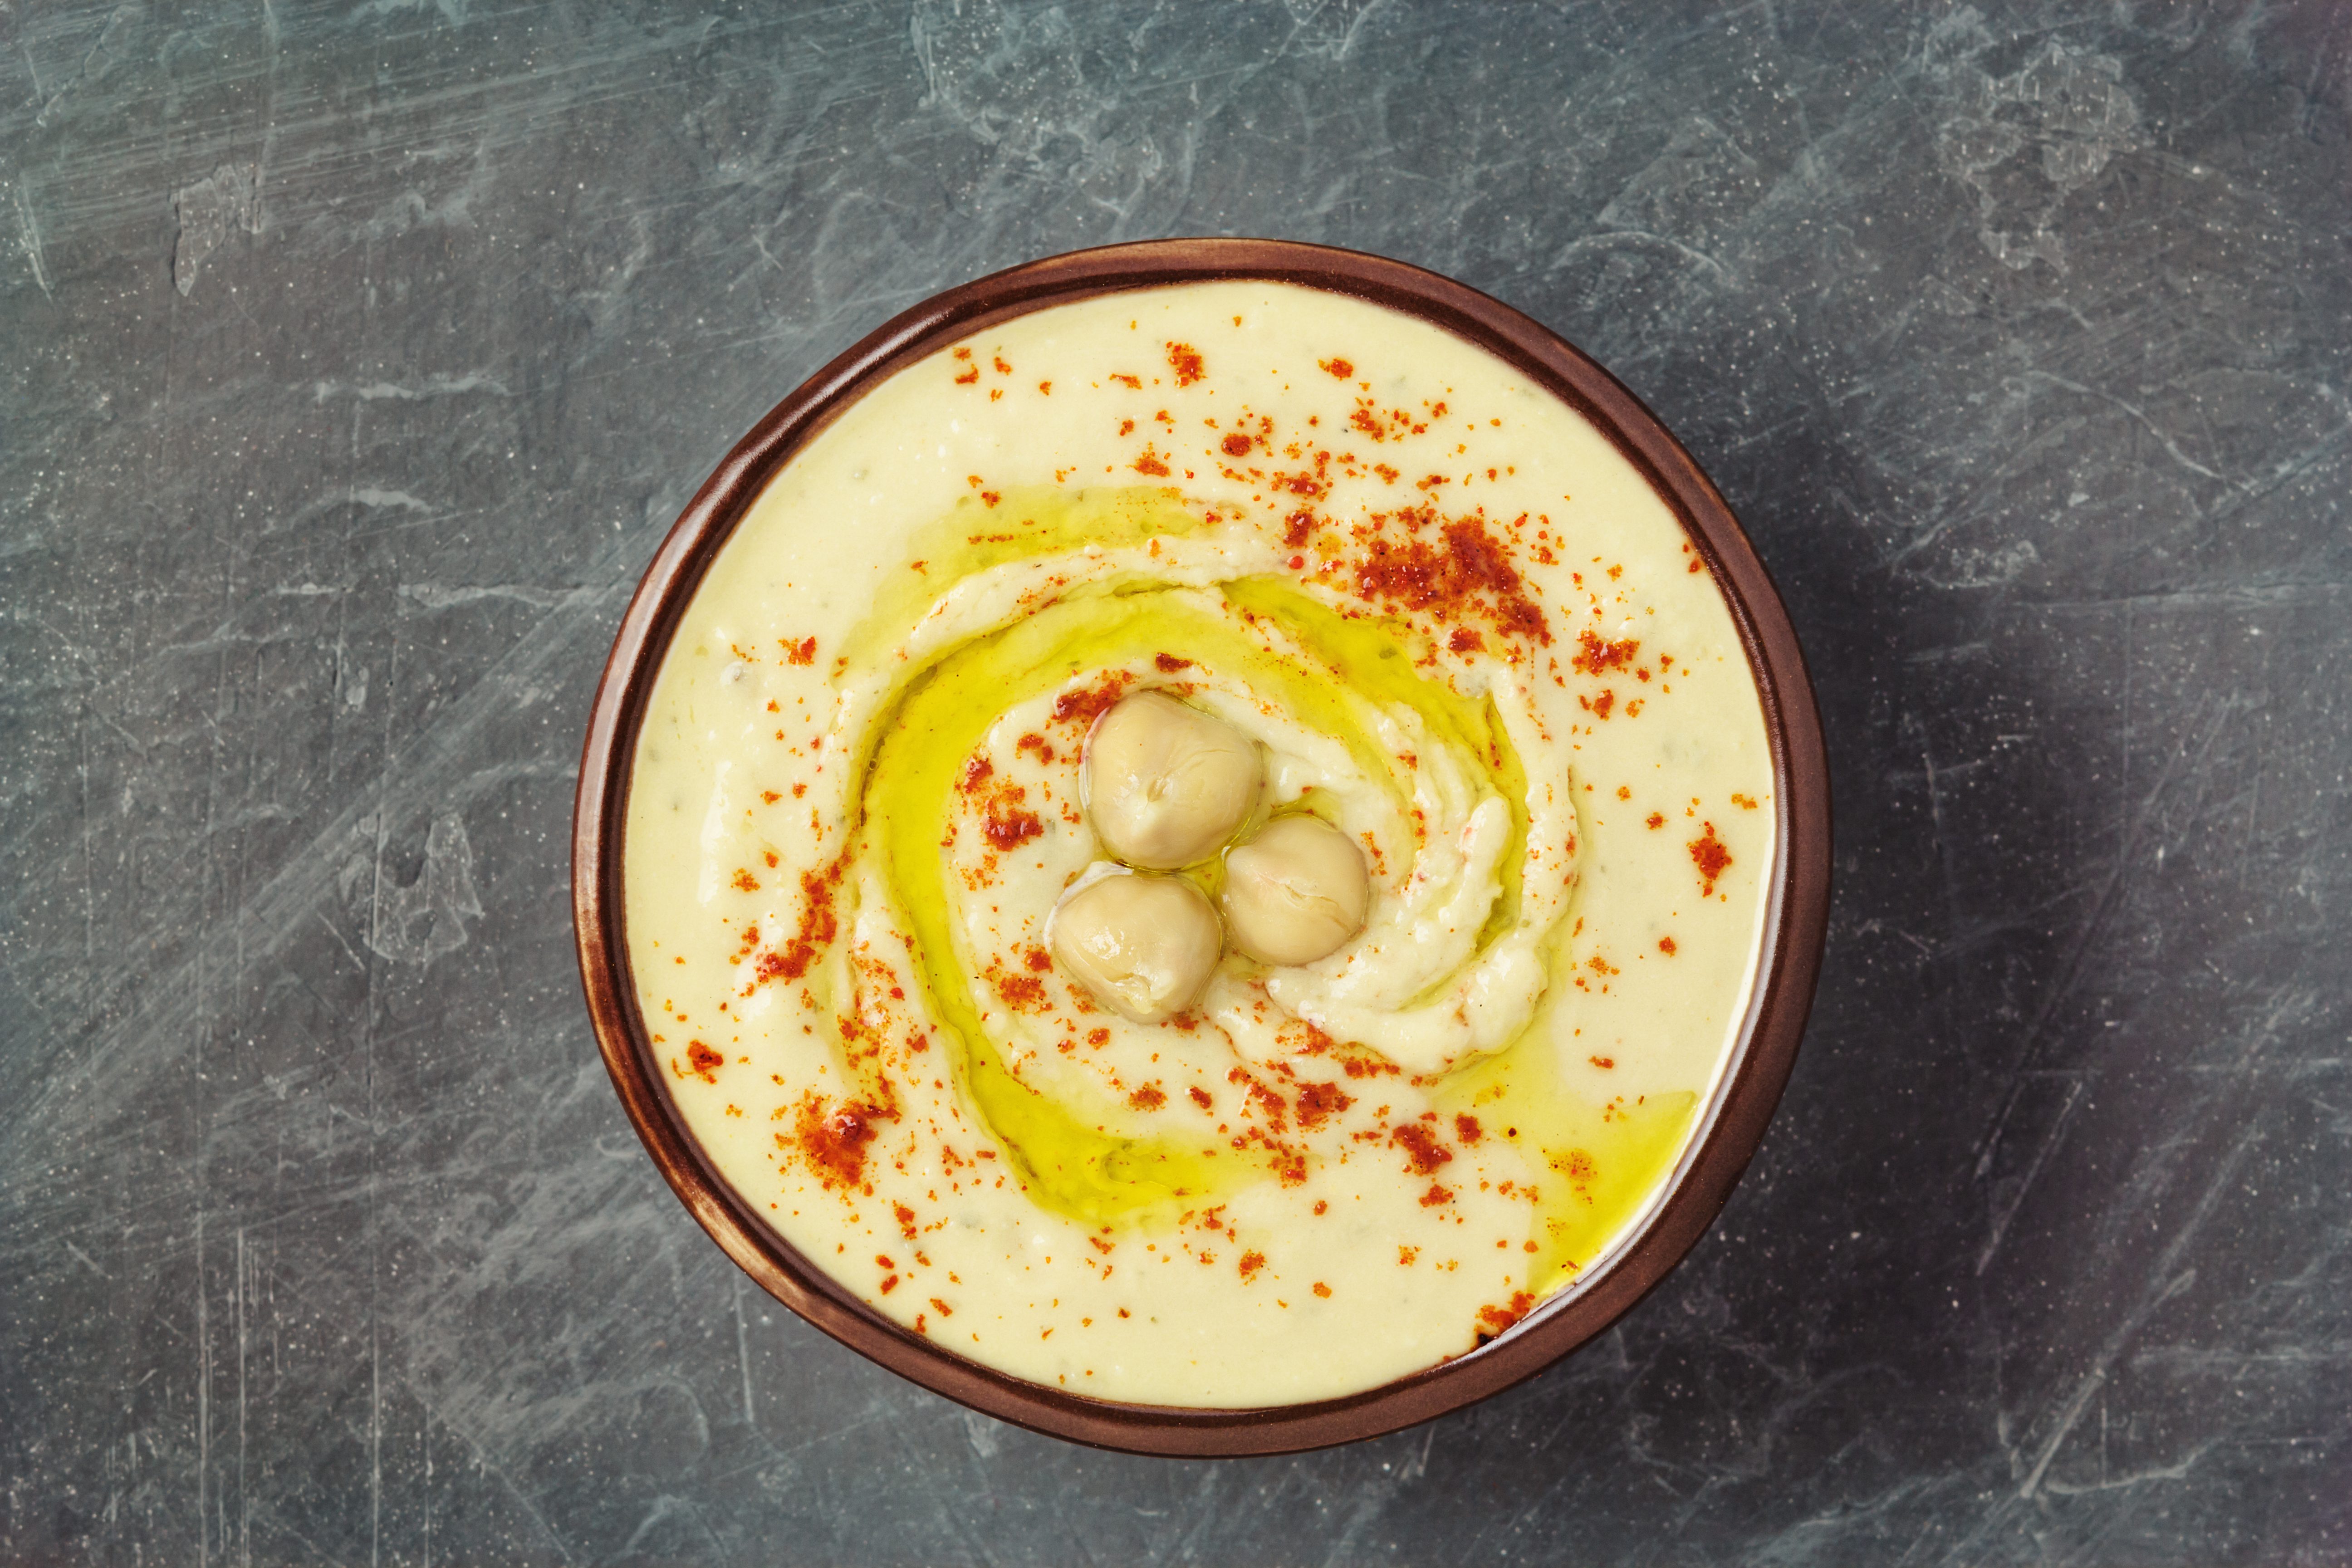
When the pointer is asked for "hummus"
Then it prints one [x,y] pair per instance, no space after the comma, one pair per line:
[1461,629]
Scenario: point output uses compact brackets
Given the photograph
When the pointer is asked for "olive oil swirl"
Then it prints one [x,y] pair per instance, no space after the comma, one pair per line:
[1323,668]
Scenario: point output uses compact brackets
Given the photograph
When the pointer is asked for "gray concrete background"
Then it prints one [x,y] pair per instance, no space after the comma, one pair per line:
[357,355]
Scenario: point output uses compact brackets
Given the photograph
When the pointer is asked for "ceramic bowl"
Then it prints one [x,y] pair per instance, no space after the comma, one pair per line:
[1729,1126]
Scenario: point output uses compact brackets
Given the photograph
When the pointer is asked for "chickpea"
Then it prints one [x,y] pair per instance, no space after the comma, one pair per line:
[1164,784]
[1296,892]
[1142,944]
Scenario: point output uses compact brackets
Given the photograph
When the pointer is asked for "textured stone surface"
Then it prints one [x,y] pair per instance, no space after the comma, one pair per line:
[358,354]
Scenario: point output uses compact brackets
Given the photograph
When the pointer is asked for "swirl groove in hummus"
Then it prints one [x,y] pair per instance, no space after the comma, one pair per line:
[1462,630]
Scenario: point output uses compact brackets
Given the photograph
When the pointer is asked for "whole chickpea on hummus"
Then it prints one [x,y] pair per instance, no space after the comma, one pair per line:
[1205,847]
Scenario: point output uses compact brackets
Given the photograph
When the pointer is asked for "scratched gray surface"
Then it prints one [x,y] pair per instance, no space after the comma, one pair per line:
[357,356]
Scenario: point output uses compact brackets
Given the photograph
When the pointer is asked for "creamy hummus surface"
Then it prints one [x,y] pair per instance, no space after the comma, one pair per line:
[1461,629]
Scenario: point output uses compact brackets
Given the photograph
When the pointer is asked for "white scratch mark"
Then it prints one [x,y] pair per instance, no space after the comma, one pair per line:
[204,1400]
[418,923]
[440,597]
[431,386]
[375,1432]
[1616,237]
[243,1496]
[2171,447]
[2025,1183]
[1413,1469]
[370,496]
[2135,1477]
[2169,1285]
[743,1359]
[28,231]
[229,197]
[332,929]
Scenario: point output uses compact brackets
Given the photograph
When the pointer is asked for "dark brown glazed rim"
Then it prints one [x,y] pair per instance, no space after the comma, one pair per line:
[1795,918]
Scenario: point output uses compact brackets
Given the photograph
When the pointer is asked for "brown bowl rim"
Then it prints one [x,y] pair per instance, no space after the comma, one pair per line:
[1795,920]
